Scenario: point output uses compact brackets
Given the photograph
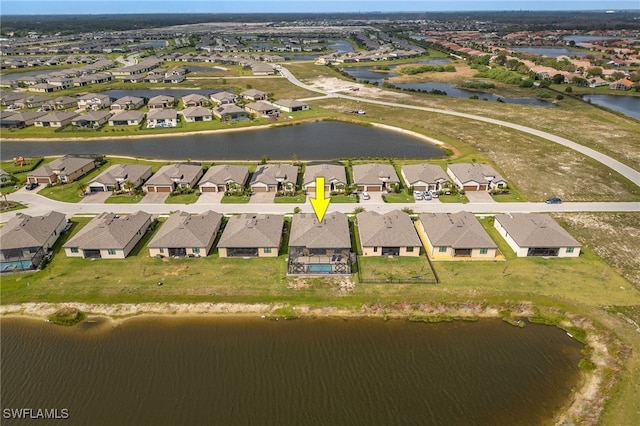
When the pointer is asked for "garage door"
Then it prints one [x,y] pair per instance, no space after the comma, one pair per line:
[208,189]
[259,189]
[420,188]
[360,187]
[42,180]
[470,188]
[163,189]
[96,189]
[374,188]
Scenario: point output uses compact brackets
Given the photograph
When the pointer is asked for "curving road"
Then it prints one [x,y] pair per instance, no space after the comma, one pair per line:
[626,171]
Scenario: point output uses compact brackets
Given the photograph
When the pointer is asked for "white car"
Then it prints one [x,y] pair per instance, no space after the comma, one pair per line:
[417,195]
[365,196]
[427,195]
[434,193]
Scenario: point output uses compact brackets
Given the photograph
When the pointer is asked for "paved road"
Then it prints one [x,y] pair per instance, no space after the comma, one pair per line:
[38,205]
[626,171]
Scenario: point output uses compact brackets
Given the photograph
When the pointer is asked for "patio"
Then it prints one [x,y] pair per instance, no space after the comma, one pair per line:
[338,263]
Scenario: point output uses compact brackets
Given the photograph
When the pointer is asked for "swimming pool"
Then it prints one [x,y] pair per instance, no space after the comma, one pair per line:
[18,265]
[319,268]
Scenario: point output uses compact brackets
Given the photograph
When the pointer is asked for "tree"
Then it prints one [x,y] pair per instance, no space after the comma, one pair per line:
[558,79]
[594,72]
[129,186]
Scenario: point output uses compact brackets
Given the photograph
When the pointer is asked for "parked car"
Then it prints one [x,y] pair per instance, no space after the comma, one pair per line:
[434,193]
[417,195]
[31,185]
[427,195]
[365,196]
[554,200]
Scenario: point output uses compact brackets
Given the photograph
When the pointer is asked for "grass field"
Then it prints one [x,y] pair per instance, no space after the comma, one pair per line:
[182,198]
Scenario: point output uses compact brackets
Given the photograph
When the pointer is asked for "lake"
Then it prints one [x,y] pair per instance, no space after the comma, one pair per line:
[325,140]
[552,52]
[236,371]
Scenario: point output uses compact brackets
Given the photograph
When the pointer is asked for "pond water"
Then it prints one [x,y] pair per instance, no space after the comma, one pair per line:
[310,141]
[628,105]
[553,52]
[232,371]
[367,73]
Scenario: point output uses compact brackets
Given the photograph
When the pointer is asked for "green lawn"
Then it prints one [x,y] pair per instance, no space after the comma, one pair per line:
[513,196]
[10,206]
[235,199]
[298,199]
[401,197]
[454,198]
[124,199]
[394,269]
[339,199]
[182,198]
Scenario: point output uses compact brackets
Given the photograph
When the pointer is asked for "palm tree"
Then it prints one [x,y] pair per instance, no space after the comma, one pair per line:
[129,186]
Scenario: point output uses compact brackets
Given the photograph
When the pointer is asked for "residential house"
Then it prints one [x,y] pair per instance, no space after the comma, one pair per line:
[55,119]
[61,102]
[93,101]
[251,235]
[531,234]
[224,177]
[197,113]
[173,176]
[622,84]
[184,234]
[115,177]
[475,177]
[262,109]
[291,105]
[126,118]
[4,176]
[65,169]
[18,120]
[161,101]
[274,177]
[108,236]
[335,177]
[319,247]
[230,113]
[127,103]
[389,234]
[424,177]
[162,118]
[254,95]
[194,100]
[26,240]
[455,235]
[93,119]
[374,177]
[33,101]
[224,98]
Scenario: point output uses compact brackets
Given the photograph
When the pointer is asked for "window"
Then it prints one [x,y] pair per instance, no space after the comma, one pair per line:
[483,251]
[569,250]
[267,250]
[442,249]
[111,252]
[196,249]
[161,249]
[74,249]
[409,249]
[375,249]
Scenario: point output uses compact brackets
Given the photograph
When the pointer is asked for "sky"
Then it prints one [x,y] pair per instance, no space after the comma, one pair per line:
[57,7]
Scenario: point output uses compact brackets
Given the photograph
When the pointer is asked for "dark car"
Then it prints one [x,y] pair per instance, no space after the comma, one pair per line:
[30,186]
[554,200]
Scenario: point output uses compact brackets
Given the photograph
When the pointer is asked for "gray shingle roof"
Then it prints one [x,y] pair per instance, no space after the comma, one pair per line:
[261,106]
[65,164]
[196,111]
[124,172]
[109,231]
[178,173]
[183,229]
[93,116]
[127,116]
[372,174]
[427,173]
[270,173]
[224,173]
[460,230]
[252,230]
[332,232]
[29,231]
[476,172]
[167,113]
[57,116]
[330,172]
[536,230]
[393,229]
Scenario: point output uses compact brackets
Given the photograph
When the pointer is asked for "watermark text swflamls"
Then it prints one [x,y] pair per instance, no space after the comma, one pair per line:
[35,413]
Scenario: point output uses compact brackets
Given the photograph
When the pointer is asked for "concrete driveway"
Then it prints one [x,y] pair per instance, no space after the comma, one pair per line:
[375,198]
[155,198]
[95,197]
[479,197]
[262,198]
[210,198]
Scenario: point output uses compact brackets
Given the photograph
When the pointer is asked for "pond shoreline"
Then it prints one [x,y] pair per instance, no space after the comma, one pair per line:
[588,401]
